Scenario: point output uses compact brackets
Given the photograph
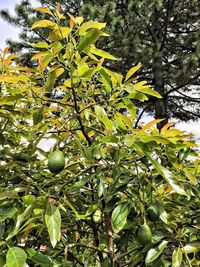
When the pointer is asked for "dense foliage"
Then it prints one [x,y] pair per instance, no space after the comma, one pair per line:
[126,197]
[163,35]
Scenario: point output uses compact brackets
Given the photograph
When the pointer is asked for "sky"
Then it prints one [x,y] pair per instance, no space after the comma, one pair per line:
[9,32]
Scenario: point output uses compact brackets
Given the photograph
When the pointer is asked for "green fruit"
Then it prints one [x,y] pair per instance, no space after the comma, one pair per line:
[144,235]
[153,213]
[56,162]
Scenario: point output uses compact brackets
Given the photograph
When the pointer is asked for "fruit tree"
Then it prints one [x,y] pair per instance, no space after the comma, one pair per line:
[105,194]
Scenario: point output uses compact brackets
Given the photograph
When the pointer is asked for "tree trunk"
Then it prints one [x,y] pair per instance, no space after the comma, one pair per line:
[158,73]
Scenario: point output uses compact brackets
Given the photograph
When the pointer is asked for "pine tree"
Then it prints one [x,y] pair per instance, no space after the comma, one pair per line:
[163,35]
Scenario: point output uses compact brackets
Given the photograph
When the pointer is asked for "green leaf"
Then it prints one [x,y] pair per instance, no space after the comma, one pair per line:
[106,80]
[177,258]
[169,176]
[38,257]
[88,39]
[7,213]
[9,100]
[148,91]
[16,257]
[43,24]
[38,115]
[132,71]
[154,253]
[119,217]
[91,25]
[80,183]
[53,222]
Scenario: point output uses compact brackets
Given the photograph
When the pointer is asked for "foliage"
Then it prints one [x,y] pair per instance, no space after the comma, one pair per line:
[89,214]
[163,36]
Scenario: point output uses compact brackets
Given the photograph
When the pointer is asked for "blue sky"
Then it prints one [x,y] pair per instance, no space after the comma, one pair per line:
[9,32]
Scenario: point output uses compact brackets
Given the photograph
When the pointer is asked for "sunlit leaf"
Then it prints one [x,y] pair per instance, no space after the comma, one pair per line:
[16,257]
[119,217]
[43,24]
[53,222]
[154,253]
[177,258]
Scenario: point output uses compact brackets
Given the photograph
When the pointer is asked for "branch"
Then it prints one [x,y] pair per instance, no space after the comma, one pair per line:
[186,111]
[180,86]
[141,114]
[190,99]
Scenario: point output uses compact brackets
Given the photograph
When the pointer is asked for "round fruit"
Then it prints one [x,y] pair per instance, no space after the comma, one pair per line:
[153,213]
[56,162]
[144,235]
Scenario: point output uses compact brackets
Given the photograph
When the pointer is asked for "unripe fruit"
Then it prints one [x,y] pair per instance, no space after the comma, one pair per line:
[153,213]
[144,235]
[56,162]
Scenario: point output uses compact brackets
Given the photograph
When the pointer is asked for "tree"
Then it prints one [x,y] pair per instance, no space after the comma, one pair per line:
[98,210]
[163,36]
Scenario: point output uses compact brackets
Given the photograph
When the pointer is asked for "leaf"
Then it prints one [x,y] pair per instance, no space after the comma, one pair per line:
[106,80]
[7,213]
[88,39]
[53,222]
[91,25]
[119,217]
[157,139]
[38,258]
[191,248]
[38,115]
[167,174]
[43,24]
[150,124]
[101,53]
[154,253]
[44,10]
[80,183]
[132,71]
[16,257]
[59,34]
[147,90]
[177,258]
[40,45]
[9,100]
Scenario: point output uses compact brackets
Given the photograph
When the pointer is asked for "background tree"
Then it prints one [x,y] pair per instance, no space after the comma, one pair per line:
[111,203]
[163,36]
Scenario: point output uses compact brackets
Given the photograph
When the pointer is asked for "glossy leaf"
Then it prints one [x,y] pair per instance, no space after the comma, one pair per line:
[53,222]
[16,257]
[91,25]
[43,24]
[177,258]
[154,253]
[88,39]
[132,71]
[119,217]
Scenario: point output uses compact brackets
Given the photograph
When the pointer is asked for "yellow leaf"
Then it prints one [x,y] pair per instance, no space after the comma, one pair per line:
[59,34]
[44,10]
[172,133]
[79,20]
[132,71]
[91,25]
[166,126]
[150,124]
[43,24]
[38,55]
